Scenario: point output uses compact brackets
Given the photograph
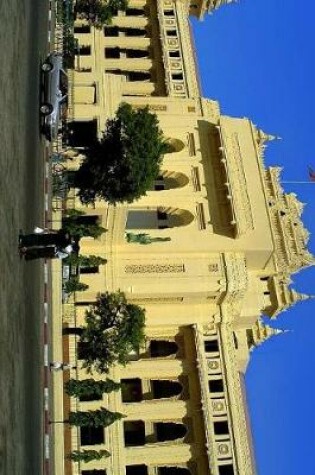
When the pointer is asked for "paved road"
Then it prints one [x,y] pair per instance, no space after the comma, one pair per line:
[23,41]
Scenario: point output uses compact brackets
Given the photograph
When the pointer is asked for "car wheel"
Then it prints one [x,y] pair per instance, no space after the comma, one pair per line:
[46,109]
[47,66]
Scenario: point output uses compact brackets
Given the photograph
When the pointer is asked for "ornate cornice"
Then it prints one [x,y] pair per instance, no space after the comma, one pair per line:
[290,236]
[236,183]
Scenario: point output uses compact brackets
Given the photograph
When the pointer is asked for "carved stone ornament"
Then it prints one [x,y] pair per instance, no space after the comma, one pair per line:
[154,269]
[217,406]
[213,364]
[223,449]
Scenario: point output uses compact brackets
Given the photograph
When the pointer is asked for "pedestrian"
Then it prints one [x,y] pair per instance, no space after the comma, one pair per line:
[58,238]
[46,244]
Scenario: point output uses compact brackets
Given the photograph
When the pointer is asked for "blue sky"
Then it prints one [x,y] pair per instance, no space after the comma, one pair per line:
[257,58]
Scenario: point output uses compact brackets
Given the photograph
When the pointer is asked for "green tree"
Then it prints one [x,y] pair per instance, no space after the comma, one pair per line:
[114,328]
[74,285]
[100,418]
[74,223]
[88,455]
[99,12]
[123,165]
[84,261]
[90,388]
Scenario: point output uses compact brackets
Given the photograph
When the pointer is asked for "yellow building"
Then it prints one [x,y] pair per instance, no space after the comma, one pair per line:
[233,240]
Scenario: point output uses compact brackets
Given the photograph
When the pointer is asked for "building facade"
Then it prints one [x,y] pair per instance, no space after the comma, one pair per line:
[224,240]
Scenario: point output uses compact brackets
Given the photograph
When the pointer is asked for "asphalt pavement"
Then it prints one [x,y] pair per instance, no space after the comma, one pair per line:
[23,44]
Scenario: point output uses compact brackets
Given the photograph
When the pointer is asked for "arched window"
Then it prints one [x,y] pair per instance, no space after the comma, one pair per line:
[162,348]
[165,388]
[169,431]
[169,180]
[175,145]
[173,471]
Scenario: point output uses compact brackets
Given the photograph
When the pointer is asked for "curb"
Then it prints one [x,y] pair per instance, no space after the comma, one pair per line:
[46,375]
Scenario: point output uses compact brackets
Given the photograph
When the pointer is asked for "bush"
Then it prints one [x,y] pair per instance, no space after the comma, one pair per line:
[87,388]
[74,285]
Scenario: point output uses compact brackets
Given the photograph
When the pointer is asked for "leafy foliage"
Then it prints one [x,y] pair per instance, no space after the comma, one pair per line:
[74,224]
[99,12]
[74,285]
[114,328]
[100,418]
[88,388]
[88,455]
[84,261]
[123,165]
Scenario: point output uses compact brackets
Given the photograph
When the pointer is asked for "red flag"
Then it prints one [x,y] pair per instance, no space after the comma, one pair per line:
[311,173]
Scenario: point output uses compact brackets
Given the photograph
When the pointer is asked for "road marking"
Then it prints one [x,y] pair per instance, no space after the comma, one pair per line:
[46,359]
[47,446]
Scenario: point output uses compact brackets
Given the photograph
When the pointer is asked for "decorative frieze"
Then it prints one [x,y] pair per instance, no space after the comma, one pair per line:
[154,268]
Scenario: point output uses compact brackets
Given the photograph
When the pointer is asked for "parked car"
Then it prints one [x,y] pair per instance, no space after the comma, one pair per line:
[54,94]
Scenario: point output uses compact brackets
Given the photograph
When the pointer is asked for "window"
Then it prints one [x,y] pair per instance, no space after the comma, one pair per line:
[134,433]
[235,341]
[177,76]
[131,390]
[165,431]
[162,348]
[174,54]
[134,12]
[133,76]
[211,346]
[87,219]
[165,389]
[112,53]
[93,472]
[134,32]
[111,31]
[161,215]
[137,53]
[93,396]
[171,33]
[169,12]
[84,50]
[250,338]
[173,471]
[92,435]
[136,470]
[221,428]
[159,186]
[216,386]
[89,270]
[82,29]
[226,470]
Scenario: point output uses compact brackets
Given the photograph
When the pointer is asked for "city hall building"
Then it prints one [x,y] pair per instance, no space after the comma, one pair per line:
[224,241]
